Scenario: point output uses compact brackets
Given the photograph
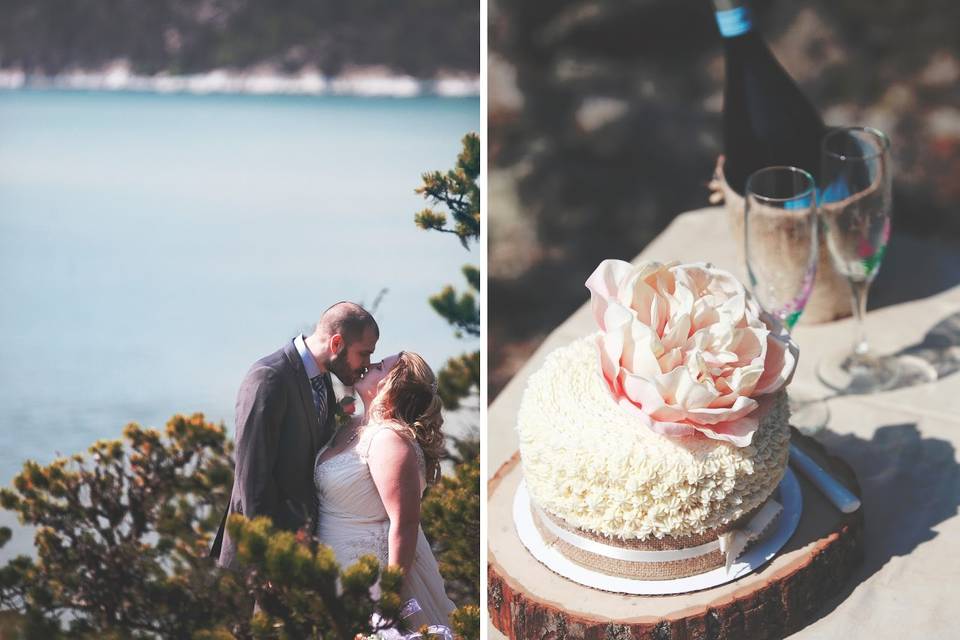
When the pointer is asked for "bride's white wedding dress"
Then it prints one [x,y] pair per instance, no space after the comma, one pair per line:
[353,522]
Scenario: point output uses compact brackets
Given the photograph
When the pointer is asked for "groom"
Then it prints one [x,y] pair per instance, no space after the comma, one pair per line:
[285,413]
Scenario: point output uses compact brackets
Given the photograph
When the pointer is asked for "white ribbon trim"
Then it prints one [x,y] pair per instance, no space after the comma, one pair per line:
[731,544]
[619,553]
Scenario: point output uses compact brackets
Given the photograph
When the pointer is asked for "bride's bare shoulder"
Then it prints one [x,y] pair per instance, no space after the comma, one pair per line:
[397,428]
[389,438]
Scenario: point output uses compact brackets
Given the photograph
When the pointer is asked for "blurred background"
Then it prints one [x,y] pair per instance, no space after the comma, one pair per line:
[605,123]
[185,186]
[317,42]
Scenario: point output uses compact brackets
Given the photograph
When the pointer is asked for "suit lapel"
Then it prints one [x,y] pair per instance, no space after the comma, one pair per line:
[306,395]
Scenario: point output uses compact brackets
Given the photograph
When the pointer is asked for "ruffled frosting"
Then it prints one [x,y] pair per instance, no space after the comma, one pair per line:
[594,464]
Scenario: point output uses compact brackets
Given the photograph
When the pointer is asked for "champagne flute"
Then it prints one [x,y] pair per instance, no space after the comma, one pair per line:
[855,207]
[781,248]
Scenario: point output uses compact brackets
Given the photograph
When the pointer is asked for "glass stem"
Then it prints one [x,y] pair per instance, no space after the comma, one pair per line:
[859,291]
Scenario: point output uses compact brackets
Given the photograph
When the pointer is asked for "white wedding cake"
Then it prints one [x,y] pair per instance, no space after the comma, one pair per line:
[652,448]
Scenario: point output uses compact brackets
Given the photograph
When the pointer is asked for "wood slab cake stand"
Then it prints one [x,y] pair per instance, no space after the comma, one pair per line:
[527,600]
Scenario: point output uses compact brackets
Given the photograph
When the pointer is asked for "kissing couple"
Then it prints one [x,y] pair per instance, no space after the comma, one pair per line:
[362,482]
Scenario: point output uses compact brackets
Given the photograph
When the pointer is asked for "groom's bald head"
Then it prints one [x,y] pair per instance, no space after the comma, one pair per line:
[344,340]
[347,319]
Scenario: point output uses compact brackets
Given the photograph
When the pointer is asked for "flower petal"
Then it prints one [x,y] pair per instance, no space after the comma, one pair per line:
[780,359]
[673,429]
[676,333]
[682,390]
[611,343]
[779,365]
[742,407]
[645,394]
[737,432]
[743,380]
[609,368]
[639,296]
[748,343]
[670,360]
[667,428]
[641,350]
[604,284]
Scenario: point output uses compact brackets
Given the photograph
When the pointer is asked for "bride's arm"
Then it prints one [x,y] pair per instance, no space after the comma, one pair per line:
[393,465]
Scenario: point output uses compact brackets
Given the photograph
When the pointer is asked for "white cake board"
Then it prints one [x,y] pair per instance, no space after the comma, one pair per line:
[753,558]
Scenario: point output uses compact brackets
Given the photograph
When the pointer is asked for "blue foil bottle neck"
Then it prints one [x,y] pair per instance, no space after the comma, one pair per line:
[735,21]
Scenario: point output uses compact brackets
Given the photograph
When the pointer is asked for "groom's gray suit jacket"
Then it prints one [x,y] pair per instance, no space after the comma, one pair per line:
[278,437]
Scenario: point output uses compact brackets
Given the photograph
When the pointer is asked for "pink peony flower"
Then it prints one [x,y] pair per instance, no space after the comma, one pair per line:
[687,348]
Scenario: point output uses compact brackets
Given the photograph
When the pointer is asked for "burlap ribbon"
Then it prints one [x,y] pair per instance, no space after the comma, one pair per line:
[656,559]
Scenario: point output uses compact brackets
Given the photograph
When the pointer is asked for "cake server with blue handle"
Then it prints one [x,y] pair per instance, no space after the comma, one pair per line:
[841,497]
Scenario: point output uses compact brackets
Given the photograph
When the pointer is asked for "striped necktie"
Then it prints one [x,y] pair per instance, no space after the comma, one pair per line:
[320,397]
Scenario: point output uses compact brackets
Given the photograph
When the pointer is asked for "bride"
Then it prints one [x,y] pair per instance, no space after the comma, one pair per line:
[371,476]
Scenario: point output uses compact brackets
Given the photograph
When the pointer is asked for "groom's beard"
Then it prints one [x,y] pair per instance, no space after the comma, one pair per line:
[341,368]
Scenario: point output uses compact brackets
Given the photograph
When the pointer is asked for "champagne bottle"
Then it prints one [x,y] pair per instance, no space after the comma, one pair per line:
[766,118]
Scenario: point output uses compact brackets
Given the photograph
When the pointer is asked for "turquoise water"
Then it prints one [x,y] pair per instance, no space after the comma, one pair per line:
[153,246]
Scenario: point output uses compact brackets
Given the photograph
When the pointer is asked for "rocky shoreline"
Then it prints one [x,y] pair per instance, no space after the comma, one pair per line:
[362,82]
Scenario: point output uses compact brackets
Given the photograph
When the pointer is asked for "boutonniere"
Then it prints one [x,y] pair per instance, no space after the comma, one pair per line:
[345,408]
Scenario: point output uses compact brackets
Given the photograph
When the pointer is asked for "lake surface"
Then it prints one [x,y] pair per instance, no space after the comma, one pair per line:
[153,246]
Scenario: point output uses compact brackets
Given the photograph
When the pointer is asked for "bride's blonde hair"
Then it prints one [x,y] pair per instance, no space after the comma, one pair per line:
[409,398]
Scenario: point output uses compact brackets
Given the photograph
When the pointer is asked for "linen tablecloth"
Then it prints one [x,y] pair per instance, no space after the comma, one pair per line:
[902,443]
